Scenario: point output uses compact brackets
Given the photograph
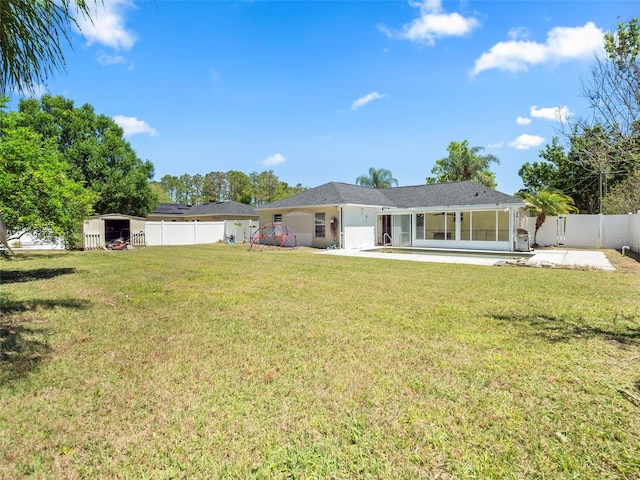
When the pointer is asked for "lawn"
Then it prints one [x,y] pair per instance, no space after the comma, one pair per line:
[216,362]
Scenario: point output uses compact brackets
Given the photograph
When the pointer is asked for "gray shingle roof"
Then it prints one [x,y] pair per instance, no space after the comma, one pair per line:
[229,207]
[223,208]
[448,195]
[418,196]
[333,193]
[170,209]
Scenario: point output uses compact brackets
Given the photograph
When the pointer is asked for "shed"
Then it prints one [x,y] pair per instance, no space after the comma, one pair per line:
[99,230]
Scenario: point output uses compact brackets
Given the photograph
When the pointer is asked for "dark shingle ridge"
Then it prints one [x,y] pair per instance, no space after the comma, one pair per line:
[426,196]
[449,195]
[333,193]
[228,207]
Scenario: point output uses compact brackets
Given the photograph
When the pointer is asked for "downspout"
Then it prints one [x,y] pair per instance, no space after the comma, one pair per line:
[341,228]
[513,221]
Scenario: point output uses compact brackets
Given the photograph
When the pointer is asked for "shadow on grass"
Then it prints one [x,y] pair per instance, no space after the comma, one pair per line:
[556,329]
[21,350]
[23,346]
[15,276]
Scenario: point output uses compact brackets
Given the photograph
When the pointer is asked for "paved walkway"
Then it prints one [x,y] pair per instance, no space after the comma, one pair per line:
[583,259]
[592,259]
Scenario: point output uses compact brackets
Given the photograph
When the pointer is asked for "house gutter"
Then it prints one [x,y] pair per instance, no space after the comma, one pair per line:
[341,227]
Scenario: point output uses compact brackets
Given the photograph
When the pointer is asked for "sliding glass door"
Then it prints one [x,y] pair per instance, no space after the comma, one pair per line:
[402,230]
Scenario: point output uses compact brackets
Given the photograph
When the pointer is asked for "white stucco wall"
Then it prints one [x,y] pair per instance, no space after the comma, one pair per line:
[360,227]
[302,224]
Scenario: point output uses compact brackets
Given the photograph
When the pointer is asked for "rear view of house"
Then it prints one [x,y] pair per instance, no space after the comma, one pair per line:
[459,215]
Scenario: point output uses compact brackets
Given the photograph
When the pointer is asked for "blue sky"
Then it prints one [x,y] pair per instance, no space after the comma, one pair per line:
[320,91]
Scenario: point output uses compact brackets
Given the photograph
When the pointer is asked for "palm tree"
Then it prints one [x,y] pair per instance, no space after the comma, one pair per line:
[30,36]
[377,178]
[464,163]
[548,202]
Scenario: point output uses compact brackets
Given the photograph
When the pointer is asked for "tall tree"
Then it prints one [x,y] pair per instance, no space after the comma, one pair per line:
[289,191]
[377,178]
[190,188]
[624,197]
[94,147]
[608,142]
[215,187]
[161,194]
[36,193]
[239,187]
[547,202]
[557,171]
[171,184]
[464,163]
[266,186]
[31,33]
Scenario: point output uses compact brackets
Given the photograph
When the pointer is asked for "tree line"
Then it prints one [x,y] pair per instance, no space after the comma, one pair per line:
[255,189]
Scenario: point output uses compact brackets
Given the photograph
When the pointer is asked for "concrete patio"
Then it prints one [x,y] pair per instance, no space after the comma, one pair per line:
[549,258]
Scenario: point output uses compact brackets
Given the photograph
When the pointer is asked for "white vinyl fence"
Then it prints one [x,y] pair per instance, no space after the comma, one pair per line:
[193,233]
[588,231]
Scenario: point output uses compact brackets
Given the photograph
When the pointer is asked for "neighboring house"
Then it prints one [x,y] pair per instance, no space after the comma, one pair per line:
[462,215]
[204,212]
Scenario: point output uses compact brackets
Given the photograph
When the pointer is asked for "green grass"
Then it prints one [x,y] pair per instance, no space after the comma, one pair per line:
[215,362]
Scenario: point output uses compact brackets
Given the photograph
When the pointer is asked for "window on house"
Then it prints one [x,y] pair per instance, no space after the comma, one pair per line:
[420,226]
[465,225]
[277,217]
[503,226]
[483,226]
[440,226]
[320,225]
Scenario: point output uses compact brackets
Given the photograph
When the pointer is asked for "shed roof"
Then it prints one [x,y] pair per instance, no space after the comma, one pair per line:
[418,196]
[115,216]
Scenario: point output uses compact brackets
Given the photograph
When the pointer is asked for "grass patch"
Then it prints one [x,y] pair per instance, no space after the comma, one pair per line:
[215,362]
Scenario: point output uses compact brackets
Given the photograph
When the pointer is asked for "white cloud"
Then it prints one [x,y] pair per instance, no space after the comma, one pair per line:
[106,59]
[433,23]
[133,126]
[560,113]
[563,44]
[495,145]
[273,160]
[526,141]
[523,121]
[517,33]
[107,25]
[366,99]
[37,91]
